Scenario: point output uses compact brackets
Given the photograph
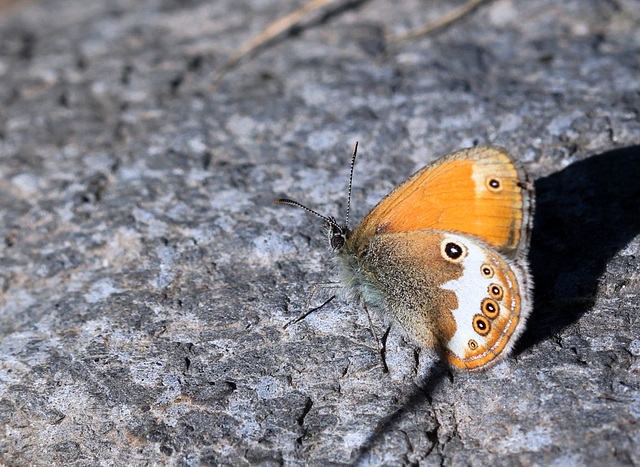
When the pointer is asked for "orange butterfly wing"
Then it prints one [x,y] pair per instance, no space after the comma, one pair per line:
[478,191]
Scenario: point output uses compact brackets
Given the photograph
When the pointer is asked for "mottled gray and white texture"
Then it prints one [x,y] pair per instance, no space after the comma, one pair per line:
[145,273]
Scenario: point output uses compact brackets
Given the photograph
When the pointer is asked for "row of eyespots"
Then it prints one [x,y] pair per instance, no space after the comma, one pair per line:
[455,253]
[489,307]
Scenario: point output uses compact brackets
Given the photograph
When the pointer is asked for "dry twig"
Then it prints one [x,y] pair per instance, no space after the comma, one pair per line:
[295,18]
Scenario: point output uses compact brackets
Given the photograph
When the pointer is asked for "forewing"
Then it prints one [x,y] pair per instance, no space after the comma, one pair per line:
[478,191]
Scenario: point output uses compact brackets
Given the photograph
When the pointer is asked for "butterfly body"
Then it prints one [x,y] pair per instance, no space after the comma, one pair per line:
[444,255]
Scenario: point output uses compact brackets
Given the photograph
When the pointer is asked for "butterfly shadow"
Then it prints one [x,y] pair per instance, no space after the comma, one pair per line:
[584,215]
[421,394]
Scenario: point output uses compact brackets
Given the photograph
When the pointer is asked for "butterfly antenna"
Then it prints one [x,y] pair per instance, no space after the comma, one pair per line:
[291,202]
[353,163]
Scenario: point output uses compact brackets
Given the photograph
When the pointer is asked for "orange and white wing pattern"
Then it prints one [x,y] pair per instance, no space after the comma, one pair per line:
[478,191]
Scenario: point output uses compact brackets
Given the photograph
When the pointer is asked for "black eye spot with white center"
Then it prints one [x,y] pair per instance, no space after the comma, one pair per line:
[453,252]
[487,271]
[495,291]
[481,325]
[473,345]
[493,184]
[490,308]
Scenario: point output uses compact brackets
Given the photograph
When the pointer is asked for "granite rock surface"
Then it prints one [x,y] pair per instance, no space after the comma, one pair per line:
[146,275]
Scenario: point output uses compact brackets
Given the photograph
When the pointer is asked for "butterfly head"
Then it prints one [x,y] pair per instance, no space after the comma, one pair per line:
[337,234]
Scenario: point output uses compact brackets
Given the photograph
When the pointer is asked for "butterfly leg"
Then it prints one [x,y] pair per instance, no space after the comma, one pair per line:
[380,345]
[306,311]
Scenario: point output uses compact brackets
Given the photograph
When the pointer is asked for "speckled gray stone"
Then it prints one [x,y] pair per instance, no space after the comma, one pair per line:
[146,275]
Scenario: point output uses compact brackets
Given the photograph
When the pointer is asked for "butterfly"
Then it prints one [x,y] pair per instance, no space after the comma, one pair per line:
[445,254]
